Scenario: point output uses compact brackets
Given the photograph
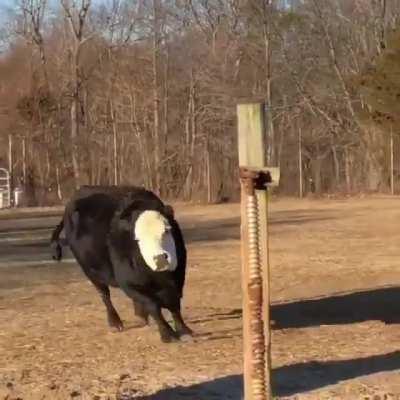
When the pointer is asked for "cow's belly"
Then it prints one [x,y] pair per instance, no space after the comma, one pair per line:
[94,262]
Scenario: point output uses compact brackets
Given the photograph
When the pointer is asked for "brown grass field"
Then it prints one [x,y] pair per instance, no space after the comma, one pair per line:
[336,311]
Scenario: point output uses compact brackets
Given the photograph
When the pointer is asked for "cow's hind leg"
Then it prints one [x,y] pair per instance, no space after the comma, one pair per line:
[56,249]
[114,321]
[141,314]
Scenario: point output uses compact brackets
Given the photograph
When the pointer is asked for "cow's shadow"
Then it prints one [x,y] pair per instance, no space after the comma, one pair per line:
[287,381]
[380,304]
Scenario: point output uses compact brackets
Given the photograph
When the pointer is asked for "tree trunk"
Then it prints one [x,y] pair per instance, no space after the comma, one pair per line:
[374,157]
[156,99]
[191,136]
[76,21]
[208,169]
[115,143]
[336,166]
[121,159]
[75,120]
[59,191]
[316,167]
[146,166]
[348,170]
[271,159]
[166,102]
[300,166]
[74,140]
[374,172]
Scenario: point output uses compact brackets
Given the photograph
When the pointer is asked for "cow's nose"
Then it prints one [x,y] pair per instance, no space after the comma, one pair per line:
[161,261]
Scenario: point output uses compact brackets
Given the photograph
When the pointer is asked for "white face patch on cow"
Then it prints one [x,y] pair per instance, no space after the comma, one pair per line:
[155,240]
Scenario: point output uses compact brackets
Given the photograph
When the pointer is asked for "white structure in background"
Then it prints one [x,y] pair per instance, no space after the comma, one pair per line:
[5,188]
[17,196]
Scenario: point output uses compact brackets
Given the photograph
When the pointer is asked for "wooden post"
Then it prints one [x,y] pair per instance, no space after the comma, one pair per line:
[254,244]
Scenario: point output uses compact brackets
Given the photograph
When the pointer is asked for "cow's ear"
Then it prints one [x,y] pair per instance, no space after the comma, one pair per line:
[169,211]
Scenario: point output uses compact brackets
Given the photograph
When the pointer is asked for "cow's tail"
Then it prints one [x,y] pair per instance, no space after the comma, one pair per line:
[55,243]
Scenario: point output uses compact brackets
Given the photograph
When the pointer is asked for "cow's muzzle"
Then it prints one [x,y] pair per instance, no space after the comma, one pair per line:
[161,262]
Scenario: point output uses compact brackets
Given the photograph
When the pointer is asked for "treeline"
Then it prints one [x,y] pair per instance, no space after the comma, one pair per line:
[145,91]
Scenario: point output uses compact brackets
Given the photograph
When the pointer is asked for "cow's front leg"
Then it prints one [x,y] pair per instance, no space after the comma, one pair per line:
[181,328]
[167,334]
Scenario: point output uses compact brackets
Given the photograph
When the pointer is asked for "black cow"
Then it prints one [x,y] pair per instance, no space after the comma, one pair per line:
[118,193]
[128,238]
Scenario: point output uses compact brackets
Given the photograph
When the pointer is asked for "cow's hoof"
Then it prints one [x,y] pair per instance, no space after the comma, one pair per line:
[186,338]
[140,323]
[116,325]
[117,328]
[185,330]
[170,338]
[56,252]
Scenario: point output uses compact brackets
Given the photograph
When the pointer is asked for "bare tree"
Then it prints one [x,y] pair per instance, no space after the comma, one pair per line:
[77,20]
[150,98]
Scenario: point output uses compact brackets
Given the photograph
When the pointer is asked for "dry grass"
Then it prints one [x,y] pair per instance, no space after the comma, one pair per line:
[56,345]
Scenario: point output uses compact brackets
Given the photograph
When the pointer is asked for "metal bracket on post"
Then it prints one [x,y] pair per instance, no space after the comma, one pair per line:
[258,178]
[255,179]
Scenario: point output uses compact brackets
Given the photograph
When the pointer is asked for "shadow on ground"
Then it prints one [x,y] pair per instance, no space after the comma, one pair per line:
[287,381]
[35,248]
[378,304]
[381,304]
[229,228]
[304,377]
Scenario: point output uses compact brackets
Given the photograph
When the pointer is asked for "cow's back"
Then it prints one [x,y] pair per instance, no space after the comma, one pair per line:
[116,192]
[87,222]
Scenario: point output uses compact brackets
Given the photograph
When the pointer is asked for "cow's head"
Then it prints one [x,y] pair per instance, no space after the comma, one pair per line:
[153,234]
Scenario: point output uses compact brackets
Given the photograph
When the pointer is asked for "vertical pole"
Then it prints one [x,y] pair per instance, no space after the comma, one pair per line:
[59,192]
[391,162]
[300,165]
[10,168]
[251,140]
[347,169]
[24,160]
[209,188]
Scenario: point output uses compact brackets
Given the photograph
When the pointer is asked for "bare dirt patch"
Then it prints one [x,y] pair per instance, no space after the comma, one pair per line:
[335,288]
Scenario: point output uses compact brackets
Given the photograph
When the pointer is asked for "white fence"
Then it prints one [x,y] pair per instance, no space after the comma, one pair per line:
[5,188]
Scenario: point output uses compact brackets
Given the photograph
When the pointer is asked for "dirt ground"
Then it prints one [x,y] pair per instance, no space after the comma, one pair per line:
[336,311]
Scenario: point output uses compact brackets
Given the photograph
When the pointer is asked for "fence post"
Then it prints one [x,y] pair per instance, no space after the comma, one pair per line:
[254,246]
